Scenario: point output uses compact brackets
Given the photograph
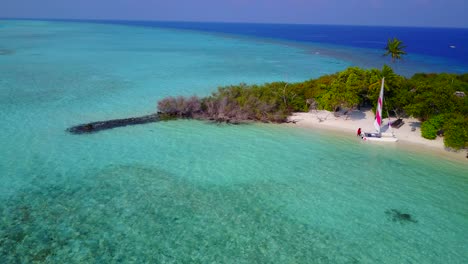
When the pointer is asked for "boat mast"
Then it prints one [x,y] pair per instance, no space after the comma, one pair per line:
[378,111]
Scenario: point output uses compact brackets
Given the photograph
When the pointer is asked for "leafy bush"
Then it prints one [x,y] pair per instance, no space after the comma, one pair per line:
[456,133]
[180,106]
[455,127]
[430,127]
[428,130]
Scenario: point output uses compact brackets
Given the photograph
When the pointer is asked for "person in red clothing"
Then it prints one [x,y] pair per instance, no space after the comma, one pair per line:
[358,132]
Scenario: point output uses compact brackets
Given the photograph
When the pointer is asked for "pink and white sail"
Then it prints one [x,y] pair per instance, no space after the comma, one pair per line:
[378,111]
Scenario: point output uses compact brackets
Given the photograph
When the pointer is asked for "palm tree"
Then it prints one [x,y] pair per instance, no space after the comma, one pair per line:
[395,48]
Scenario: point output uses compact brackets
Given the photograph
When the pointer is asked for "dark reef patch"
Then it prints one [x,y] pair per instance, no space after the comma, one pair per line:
[397,216]
[6,52]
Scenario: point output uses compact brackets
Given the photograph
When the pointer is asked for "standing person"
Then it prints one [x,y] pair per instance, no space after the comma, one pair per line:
[358,132]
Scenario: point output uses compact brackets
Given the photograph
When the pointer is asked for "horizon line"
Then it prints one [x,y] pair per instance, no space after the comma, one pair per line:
[220,22]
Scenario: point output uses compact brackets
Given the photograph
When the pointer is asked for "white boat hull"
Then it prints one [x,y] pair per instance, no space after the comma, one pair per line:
[381,139]
[384,137]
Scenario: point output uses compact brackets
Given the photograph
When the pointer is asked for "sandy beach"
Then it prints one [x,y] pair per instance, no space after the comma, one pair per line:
[409,134]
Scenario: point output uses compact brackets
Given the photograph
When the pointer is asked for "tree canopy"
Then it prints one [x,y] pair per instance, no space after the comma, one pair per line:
[395,49]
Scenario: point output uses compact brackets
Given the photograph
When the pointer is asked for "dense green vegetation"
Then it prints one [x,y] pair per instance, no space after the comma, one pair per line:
[436,99]
[431,127]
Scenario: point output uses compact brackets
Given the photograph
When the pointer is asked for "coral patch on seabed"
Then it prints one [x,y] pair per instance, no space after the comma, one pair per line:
[144,214]
[397,216]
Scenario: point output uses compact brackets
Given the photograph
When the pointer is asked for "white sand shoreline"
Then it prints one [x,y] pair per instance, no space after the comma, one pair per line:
[409,135]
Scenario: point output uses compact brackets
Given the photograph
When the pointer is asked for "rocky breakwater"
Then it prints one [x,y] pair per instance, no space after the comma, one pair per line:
[109,124]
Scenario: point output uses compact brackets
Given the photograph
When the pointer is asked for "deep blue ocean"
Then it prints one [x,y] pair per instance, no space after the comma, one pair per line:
[449,43]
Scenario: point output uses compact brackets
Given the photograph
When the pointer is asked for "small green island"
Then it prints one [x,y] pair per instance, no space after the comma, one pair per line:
[438,100]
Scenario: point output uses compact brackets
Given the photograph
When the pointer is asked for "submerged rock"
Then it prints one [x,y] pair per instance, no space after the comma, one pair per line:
[397,216]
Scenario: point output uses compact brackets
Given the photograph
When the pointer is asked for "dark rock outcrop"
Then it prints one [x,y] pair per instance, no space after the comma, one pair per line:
[109,124]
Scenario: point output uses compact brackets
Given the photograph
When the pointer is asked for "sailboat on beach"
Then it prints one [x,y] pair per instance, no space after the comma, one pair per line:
[378,135]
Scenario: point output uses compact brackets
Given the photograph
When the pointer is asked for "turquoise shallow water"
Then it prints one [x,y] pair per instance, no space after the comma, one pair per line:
[189,191]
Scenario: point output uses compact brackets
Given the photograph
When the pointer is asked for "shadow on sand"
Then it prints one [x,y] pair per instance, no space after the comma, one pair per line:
[356,115]
[415,125]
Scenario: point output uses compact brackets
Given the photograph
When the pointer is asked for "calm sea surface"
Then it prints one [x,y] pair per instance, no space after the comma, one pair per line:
[195,192]
[443,49]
